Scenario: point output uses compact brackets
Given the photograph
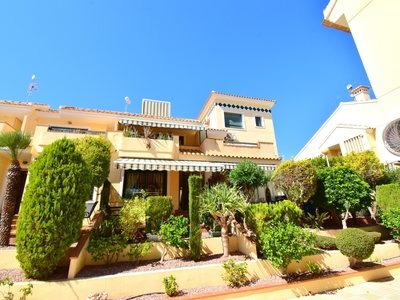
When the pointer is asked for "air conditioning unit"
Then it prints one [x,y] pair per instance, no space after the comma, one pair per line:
[156,108]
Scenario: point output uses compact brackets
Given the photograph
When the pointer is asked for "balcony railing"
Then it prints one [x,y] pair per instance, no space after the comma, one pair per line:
[74,130]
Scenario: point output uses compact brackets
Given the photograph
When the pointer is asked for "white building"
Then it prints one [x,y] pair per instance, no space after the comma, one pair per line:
[365,124]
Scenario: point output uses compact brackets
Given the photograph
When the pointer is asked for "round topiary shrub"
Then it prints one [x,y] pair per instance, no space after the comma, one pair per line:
[355,244]
[51,214]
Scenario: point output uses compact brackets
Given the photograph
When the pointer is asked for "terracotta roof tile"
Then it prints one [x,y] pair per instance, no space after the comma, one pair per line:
[127,114]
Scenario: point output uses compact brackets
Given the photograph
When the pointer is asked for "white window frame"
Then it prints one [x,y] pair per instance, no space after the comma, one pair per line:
[231,113]
[262,122]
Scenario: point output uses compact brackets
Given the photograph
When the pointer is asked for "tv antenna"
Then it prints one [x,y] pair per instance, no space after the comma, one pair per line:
[33,86]
[127,102]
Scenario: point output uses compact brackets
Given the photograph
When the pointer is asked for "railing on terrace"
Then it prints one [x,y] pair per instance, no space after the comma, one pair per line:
[74,130]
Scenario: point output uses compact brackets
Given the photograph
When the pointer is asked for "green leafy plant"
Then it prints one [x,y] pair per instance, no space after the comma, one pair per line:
[222,202]
[96,153]
[133,218]
[235,273]
[297,180]
[345,190]
[314,268]
[195,242]
[392,175]
[8,295]
[317,220]
[284,242]
[325,242]
[138,250]
[130,132]
[247,175]
[260,215]
[51,214]
[170,285]
[387,196]
[376,236]
[367,165]
[355,244]
[158,210]
[107,248]
[391,220]
[106,241]
[174,233]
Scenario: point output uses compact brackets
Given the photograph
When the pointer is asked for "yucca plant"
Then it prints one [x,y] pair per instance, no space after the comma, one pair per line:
[13,142]
[223,202]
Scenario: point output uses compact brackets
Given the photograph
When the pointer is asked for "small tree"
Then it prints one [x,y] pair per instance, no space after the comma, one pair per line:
[195,243]
[174,233]
[13,142]
[345,190]
[97,155]
[284,242]
[367,165]
[247,175]
[222,202]
[53,208]
[297,180]
[356,244]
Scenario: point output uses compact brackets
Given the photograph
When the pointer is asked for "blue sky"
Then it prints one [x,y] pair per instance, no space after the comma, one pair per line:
[94,53]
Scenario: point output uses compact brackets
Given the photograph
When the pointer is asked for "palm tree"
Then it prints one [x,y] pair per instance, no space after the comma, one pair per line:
[13,142]
[222,202]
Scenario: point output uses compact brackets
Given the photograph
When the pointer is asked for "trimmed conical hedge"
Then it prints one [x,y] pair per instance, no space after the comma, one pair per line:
[195,242]
[52,209]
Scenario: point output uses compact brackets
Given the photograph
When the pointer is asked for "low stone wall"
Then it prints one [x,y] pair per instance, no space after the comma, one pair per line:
[210,246]
[131,284]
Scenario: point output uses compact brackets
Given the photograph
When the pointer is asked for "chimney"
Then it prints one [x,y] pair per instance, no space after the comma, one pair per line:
[156,108]
[360,93]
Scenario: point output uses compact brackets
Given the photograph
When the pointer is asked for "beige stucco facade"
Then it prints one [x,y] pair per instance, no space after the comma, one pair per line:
[175,146]
[364,124]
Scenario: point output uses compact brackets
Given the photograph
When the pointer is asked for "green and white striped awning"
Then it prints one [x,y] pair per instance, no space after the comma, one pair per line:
[230,166]
[168,165]
[177,165]
[155,123]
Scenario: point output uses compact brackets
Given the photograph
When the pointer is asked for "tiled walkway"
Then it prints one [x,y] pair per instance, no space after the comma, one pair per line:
[386,288]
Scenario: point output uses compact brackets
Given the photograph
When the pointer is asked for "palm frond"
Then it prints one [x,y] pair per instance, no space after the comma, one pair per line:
[14,142]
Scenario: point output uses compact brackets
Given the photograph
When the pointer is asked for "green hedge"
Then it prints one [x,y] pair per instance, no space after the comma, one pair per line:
[195,242]
[388,196]
[325,242]
[259,215]
[355,243]
[51,214]
[158,210]
[375,235]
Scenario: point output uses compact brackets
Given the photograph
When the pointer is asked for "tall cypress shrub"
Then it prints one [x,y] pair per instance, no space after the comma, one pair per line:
[53,208]
[195,243]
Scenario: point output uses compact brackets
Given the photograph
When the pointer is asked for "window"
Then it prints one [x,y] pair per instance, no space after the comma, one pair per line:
[153,182]
[259,122]
[233,120]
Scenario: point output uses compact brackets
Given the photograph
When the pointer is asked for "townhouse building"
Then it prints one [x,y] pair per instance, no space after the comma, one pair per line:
[153,150]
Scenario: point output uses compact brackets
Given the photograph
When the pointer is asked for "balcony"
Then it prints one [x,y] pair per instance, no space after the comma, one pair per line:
[45,135]
[260,150]
[140,147]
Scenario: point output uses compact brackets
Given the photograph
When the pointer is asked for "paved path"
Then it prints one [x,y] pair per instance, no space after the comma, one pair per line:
[386,288]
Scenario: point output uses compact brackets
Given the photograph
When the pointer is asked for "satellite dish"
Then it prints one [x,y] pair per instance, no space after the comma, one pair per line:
[391,137]
[349,87]
[127,102]
[33,77]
